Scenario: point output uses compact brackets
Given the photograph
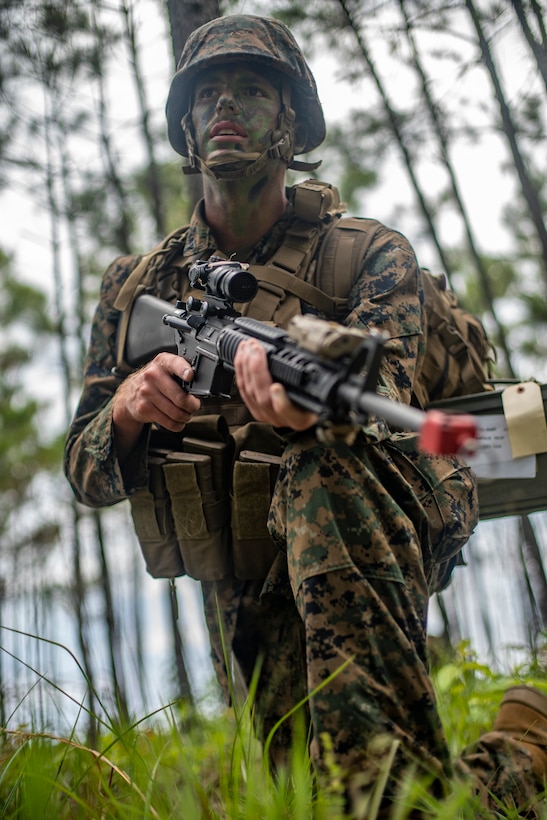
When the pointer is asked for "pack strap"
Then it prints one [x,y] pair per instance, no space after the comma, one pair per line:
[342,252]
[284,274]
[127,292]
[135,284]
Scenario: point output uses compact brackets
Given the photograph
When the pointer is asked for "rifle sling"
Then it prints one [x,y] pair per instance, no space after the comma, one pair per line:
[289,282]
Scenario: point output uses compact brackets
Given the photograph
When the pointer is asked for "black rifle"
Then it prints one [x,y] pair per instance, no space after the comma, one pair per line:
[326,368]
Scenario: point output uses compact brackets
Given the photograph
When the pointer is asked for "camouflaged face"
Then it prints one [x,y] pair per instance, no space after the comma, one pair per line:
[246,38]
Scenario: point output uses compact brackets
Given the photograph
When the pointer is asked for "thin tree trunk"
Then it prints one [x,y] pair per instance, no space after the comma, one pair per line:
[114,638]
[538,13]
[534,561]
[185,691]
[529,611]
[153,172]
[116,667]
[3,721]
[123,227]
[78,587]
[529,190]
[187,15]
[442,139]
[78,598]
[395,126]
[539,50]
[137,598]
[184,17]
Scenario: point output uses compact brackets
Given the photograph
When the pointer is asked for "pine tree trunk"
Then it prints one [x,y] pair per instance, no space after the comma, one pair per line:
[153,172]
[185,691]
[442,139]
[539,50]
[187,15]
[395,127]
[536,567]
[123,227]
[113,632]
[529,189]
[184,17]
[78,584]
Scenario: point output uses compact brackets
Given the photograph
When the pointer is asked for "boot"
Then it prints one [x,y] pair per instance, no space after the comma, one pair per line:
[523,716]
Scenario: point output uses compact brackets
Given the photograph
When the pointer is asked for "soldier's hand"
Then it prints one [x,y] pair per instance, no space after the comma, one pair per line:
[152,395]
[267,400]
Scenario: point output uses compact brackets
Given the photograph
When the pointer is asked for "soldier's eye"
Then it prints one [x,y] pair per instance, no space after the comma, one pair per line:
[206,93]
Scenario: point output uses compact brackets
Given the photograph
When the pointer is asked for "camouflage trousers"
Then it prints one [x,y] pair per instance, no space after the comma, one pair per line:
[342,619]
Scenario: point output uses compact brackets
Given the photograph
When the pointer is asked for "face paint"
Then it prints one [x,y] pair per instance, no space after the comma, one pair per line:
[235,110]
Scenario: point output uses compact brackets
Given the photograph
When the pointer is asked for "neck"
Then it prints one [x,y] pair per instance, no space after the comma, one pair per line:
[239,212]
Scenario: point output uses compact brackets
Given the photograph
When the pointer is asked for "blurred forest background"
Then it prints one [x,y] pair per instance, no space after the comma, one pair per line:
[436,114]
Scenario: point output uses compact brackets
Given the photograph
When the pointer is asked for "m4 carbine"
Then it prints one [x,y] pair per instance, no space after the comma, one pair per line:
[325,367]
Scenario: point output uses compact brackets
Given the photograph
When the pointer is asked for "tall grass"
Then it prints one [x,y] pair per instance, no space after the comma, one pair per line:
[187,764]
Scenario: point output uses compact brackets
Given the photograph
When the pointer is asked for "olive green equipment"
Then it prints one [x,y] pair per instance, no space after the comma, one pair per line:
[325,368]
[317,264]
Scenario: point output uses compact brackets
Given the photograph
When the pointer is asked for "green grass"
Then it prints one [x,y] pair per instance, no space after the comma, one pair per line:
[179,764]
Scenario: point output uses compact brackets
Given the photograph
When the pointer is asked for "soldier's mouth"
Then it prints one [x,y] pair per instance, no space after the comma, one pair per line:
[227,129]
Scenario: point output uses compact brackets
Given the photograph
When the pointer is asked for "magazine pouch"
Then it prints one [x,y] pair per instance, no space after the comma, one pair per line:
[254,478]
[152,518]
[182,518]
[200,515]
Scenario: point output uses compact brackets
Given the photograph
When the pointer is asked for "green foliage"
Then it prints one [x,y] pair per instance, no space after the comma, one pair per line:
[20,302]
[470,693]
[176,202]
[203,768]
[352,175]
[502,275]
[537,307]
[105,223]
[179,763]
[24,449]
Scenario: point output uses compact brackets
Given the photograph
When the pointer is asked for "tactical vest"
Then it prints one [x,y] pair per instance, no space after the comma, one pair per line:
[205,510]
[459,357]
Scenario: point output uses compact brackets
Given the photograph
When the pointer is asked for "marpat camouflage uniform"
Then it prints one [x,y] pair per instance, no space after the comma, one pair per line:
[343,610]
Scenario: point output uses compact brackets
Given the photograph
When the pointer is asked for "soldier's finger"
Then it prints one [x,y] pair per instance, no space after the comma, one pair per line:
[287,412]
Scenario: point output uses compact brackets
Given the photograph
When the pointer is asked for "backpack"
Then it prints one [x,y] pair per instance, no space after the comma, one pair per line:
[459,357]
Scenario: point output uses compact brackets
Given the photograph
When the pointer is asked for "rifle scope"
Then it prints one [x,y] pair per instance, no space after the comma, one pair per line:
[224,279]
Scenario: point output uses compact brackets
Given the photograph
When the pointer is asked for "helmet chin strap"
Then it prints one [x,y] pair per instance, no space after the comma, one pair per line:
[234,164]
[237,164]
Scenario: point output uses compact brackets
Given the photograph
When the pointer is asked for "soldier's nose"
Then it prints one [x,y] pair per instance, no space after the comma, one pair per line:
[227,100]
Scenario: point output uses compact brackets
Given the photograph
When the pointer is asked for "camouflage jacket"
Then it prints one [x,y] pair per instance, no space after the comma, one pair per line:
[388,296]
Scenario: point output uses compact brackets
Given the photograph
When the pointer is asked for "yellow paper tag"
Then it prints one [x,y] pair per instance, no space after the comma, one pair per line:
[525,417]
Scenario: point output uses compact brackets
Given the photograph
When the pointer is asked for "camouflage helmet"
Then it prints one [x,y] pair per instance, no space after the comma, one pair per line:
[237,38]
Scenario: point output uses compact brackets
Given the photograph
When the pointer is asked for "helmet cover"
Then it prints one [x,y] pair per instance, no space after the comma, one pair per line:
[236,38]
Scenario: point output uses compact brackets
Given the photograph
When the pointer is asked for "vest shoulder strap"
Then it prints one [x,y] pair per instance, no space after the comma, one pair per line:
[145,265]
[290,270]
[342,252]
[343,243]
